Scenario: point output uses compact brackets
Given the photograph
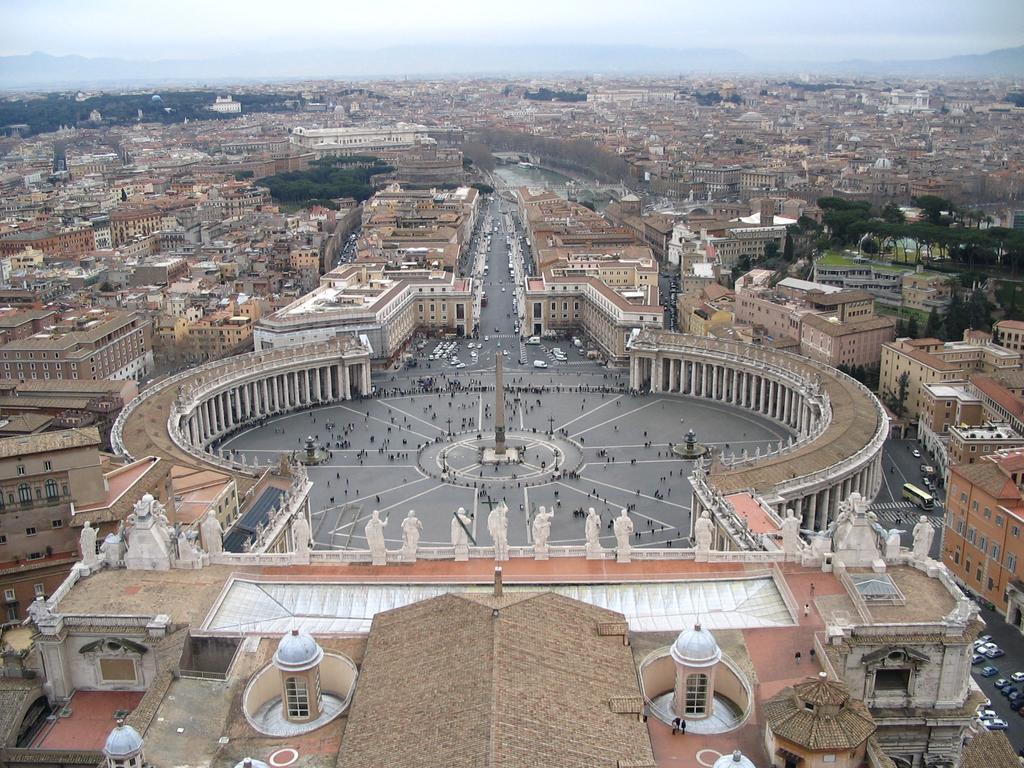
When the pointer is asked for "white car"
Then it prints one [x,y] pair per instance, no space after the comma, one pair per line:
[916,453]
[461,365]
[995,724]
[540,364]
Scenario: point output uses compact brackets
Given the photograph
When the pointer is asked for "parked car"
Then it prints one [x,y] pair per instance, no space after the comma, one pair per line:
[540,364]
[916,453]
[989,671]
[995,653]
[977,658]
[986,647]
[995,724]
[1010,690]
[1017,677]
[1001,683]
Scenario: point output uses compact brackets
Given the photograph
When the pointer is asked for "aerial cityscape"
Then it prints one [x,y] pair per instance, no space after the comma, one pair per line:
[555,386]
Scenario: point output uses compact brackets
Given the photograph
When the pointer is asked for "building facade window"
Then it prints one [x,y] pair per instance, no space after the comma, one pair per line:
[696,694]
[298,697]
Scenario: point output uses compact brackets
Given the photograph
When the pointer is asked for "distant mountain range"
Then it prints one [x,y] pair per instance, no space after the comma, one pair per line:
[43,71]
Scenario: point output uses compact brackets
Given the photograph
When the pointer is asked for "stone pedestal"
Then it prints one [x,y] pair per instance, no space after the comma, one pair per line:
[491,456]
[622,554]
[461,554]
[540,552]
[595,552]
[378,558]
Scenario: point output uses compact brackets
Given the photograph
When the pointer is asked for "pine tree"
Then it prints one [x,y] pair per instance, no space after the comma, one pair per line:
[933,328]
[912,330]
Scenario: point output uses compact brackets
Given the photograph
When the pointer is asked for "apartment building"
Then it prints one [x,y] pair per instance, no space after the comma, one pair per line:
[856,342]
[356,140]
[1010,334]
[72,241]
[984,523]
[931,361]
[92,344]
[372,301]
[42,478]
[128,223]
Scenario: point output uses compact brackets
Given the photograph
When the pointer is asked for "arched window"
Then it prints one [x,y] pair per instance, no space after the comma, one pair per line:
[696,694]
[24,493]
[51,489]
[297,697]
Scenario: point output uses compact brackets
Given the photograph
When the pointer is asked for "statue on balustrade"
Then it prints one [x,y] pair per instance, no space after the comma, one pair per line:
[541,529]
[375,538]
[497,526]
[593,532]
[703,532]
[623,528]
[87,543]
[212,533]
[300,533]
[923,535]
[411,529]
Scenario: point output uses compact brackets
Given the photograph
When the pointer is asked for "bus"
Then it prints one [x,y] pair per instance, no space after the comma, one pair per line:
[918,497]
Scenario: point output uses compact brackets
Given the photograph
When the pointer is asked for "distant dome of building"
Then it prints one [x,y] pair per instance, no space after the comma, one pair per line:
[123,741]
[856,138]
[750,117]
[735,760]
[883,164]
[297,651]
[696,648]
[250,763]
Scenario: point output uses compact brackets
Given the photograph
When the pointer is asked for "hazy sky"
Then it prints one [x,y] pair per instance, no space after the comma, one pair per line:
[776,29]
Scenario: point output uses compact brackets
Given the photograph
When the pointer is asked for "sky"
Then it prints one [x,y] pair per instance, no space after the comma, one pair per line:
[780,30]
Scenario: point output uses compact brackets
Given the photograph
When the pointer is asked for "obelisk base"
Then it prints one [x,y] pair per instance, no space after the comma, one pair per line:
[491,456]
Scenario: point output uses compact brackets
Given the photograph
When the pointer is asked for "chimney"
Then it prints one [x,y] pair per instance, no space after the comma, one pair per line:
[497,581]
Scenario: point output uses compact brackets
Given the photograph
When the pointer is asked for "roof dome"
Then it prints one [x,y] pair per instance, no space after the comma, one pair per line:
[735,760]
[883,164]
[297,651]
[696,648]
[250,763]
[123,741]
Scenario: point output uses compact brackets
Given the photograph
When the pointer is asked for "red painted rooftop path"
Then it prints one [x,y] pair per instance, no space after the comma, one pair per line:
[91,721]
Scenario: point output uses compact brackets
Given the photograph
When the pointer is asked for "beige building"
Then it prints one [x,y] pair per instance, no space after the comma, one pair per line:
[931,361]
[370,300]
[93,344]
[856,342]
[604,296]
[42,478]
[1010,334]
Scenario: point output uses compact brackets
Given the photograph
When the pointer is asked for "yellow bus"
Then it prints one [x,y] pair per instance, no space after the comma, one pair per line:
[918,497]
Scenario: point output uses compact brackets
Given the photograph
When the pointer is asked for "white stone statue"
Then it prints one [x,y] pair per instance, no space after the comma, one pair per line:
[541,528]
[923,535]
[212,534]
[497,526]
[460,525]
[375,538]
[113,555]
[300,534]
[703,532]
[892,543]
[791,542]
[593,532]
[623,527]
[87,542]
[411,529]
[39,611]
[187,552]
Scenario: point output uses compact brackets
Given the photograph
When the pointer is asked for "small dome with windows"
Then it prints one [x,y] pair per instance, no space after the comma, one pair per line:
[297,651]
[123,741]
[696,648]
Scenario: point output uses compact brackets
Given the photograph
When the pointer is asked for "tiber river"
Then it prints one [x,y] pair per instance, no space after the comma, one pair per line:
[532,176]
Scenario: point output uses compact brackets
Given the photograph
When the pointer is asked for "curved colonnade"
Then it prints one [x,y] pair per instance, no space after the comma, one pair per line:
[206,404]
[839,424]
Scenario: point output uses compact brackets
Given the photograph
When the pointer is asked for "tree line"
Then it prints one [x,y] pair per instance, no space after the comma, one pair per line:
[953,233]
[326,179]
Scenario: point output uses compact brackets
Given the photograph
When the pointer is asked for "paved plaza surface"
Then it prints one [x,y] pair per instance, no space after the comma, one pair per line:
[623,443]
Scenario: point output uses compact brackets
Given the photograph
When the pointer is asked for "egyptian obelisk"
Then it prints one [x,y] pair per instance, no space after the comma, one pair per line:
[499,409]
